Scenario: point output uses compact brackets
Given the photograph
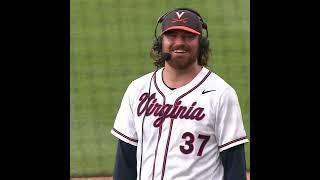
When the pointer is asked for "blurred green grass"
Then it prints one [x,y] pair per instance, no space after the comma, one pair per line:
[110,43]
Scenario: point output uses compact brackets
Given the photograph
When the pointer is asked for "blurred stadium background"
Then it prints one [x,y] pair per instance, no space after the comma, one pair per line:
[110,42]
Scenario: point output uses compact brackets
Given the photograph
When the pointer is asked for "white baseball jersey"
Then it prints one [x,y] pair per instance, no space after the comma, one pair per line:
[184,129]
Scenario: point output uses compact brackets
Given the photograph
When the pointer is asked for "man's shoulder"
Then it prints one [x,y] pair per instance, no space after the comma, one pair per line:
[143,78]
[141,81]
[217,82]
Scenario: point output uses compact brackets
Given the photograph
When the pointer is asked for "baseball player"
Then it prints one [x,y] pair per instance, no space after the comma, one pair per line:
[182,121]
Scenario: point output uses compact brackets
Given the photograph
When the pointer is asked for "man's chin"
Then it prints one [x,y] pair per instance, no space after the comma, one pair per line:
[180,63]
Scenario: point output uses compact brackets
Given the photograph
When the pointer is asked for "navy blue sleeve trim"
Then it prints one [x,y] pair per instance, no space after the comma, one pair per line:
[234,164]
[125,167]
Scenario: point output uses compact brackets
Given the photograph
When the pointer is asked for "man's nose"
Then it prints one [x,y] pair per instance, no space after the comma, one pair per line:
[180,40]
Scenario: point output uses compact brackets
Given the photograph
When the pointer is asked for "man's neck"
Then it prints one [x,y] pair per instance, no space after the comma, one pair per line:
[176,78]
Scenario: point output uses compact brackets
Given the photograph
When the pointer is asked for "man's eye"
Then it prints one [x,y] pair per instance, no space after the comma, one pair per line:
[172,35]
[190,36]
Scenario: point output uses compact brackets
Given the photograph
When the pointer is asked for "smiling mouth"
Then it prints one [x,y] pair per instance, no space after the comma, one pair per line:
[179,51]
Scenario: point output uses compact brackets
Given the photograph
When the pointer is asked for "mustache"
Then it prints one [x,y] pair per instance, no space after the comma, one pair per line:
[180,47]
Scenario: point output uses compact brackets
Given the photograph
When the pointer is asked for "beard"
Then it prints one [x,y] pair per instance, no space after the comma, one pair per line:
[180,62]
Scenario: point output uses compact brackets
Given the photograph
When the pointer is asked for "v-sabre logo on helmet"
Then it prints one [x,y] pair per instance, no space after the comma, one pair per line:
[184,20]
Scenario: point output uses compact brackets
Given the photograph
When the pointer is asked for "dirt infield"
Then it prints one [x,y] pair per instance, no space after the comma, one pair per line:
[110,178]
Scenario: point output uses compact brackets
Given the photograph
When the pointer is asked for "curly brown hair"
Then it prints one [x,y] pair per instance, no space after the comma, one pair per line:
[156,51]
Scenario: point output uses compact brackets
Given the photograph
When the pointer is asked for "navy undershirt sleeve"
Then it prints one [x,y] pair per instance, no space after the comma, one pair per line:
[234,164]
[125,167]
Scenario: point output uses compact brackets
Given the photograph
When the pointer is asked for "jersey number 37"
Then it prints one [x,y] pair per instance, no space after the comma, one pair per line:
[188,147]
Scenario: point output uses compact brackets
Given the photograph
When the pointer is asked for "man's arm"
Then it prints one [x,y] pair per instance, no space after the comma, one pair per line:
[126,163]
[234,164]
